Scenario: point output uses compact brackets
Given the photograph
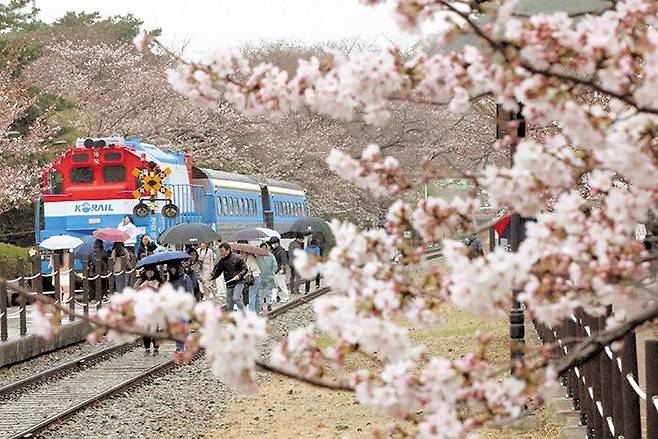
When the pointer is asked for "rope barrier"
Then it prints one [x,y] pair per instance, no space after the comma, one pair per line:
[654,399]
[33,276]
[49,274]
[611,425]
[14,314]
[93,277]
[14,280]
[636,387]
[3,314]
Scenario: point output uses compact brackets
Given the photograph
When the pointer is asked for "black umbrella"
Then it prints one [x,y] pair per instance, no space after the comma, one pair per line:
[188,233]
[317,228]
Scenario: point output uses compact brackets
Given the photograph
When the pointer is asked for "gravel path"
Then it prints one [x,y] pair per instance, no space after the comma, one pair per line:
[22,370]
[186,403]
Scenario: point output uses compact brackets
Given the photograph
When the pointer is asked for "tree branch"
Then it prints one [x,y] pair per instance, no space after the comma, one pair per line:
[592,346]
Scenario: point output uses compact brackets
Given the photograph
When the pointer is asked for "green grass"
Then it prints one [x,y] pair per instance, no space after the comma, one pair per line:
[9,252]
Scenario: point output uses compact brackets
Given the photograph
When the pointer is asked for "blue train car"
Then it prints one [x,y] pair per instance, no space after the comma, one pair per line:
[93,186]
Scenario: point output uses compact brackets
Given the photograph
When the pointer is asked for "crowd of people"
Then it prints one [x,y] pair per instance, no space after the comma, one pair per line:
[249,276]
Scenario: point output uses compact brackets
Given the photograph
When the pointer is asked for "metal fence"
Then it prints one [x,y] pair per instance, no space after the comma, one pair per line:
[607,388]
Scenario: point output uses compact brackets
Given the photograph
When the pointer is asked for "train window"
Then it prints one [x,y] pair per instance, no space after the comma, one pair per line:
[253,208]
[81,175]
[240,206]
[224,206]
[234,206]
[114,174]
[80,158]
[229,204]
[55,183]
[112,156]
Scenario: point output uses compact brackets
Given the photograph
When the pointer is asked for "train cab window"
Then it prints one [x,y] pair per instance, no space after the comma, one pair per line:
[112,156]
[80,158]
[81,175]
[55,183]
[114,174]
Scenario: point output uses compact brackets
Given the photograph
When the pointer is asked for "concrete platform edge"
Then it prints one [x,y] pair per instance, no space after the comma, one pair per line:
[29,346]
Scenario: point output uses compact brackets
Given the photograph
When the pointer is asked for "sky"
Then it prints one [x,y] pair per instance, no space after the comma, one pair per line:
[205,25]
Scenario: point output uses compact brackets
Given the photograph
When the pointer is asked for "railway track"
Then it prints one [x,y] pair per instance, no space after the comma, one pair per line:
[36,402]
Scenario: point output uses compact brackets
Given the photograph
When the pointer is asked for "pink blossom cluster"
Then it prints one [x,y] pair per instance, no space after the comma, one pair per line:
[374,172]
[436,218]
[592,79]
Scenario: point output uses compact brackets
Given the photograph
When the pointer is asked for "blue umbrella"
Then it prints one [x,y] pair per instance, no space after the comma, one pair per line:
[163,257]
[86,248]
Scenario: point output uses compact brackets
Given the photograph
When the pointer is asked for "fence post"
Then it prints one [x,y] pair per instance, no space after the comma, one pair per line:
[651,363]
[37,282]
[22,300]
[605,382]
[632,425]
[617,401]
[98,282]
[85,287]
[4,335]
[111,280]
[71,287]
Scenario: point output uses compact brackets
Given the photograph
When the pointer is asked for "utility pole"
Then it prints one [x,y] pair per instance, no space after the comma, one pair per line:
[516,317]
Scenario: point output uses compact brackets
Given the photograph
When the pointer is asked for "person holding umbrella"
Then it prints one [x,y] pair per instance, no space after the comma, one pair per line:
[150,278]
[295,279]
[131,229]
[179,280]
[97,265]
[280,273]
[267,266]
[234,269]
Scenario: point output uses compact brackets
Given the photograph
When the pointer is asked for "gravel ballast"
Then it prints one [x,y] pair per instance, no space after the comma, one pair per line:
[185,403]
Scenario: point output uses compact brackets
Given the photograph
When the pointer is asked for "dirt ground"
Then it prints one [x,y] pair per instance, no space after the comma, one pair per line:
[283,408]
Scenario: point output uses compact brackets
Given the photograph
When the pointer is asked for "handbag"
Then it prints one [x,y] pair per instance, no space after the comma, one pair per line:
[248,279]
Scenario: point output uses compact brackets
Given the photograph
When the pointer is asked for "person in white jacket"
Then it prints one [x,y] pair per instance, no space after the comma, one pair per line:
[132,230]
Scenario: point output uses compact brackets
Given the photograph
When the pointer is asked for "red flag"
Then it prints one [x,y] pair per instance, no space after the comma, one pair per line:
[501,225]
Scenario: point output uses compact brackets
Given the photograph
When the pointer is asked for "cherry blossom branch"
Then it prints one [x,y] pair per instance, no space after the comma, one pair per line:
[161,335]
[500,46]
[593,345]
[313,381]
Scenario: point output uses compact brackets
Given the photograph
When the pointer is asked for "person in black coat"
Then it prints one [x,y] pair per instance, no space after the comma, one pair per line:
[234,269]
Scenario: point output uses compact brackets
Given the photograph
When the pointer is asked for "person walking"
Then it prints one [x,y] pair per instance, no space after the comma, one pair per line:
[267,266]
[150,279]
[97,263]
[282,265]
[234,269]
[193,270]
[119,263]
[146,247]
[127,225]
[179,280]
[313,249]
[207,259]
[295,279]
[253,282]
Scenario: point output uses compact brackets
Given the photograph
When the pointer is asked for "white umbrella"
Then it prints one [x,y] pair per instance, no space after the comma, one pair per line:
[61,242]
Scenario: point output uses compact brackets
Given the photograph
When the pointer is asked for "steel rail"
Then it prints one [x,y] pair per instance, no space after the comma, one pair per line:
[131,382]
[119,388]
[62,368]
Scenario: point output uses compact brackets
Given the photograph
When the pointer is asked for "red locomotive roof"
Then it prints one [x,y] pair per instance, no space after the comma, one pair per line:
[92,174]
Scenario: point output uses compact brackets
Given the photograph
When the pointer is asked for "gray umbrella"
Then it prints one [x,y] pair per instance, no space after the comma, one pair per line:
[188,233]
[317,228]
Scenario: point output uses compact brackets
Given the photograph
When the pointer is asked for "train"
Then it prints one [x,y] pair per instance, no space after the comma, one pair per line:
[99,180]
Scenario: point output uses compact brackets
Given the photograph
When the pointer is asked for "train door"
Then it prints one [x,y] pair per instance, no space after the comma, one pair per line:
[268,215]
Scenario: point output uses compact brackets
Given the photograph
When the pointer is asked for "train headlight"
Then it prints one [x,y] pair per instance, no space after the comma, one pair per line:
[141,210]
[170,211]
